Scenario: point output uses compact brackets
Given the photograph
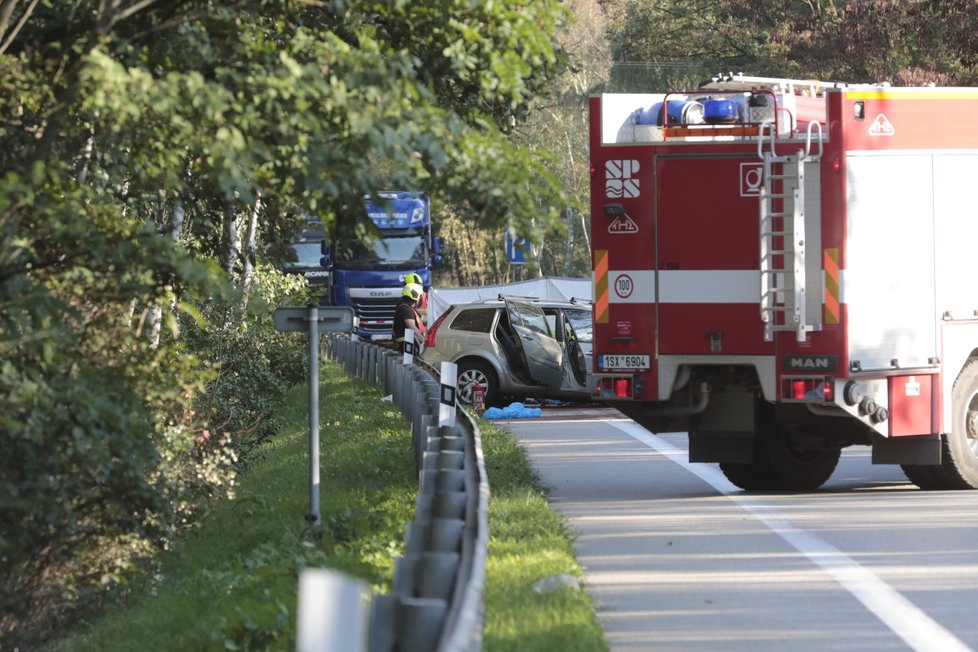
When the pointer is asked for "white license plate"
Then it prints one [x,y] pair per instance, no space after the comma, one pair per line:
[382,336]
[623,361]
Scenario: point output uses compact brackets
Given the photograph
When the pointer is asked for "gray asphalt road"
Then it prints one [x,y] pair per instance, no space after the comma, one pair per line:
[679,559]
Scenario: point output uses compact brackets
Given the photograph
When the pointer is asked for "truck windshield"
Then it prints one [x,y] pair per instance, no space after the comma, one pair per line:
[307,255]
[392,252]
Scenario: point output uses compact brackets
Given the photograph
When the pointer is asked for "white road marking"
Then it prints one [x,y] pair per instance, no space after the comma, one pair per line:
[916,628]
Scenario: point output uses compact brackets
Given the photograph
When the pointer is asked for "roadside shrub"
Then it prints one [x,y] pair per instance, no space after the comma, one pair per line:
[254,364]
[80,462]
[114,437]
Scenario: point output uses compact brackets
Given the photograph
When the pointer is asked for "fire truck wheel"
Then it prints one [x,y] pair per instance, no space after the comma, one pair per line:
[797,469]
[925,477]
[793,466]
[469,373]
[959,448]
[751,477]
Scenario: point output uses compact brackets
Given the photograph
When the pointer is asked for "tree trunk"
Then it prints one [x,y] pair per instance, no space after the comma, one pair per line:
[155,317]
[569,246]
[232,241]
[249,253]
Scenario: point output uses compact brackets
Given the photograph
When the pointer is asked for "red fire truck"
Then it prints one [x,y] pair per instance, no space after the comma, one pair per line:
[784,268]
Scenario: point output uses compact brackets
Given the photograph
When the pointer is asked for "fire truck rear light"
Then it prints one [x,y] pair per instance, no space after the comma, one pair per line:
[622,387]
[614,387]
[798,390]
[809,388]
[828,389]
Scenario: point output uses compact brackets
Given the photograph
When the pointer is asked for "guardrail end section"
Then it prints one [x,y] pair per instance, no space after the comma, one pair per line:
[333,612]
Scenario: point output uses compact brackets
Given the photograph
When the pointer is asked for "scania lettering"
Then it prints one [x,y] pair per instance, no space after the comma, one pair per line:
[784,268]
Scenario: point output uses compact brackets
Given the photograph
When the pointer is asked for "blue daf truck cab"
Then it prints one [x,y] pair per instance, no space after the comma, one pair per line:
[369,276]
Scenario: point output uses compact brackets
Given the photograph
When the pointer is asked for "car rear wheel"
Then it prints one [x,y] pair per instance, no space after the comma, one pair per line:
[471,372]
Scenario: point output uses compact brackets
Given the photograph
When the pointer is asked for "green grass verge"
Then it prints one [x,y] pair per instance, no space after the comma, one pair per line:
[231,583]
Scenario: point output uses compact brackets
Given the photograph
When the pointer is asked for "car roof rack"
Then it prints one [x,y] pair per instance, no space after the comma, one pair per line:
[503,297]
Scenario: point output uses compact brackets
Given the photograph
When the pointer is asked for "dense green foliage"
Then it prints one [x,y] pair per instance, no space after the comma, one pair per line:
[231,582]
[154,155]
[672,42]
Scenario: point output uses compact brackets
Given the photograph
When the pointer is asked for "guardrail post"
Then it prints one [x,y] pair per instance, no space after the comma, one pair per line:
[418,623]
[448,400]
[436,601]
[333,612]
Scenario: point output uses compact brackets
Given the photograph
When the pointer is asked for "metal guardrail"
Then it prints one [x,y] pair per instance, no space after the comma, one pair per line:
[436,600]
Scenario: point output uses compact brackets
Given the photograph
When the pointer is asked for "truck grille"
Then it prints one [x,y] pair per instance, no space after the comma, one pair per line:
[376,315]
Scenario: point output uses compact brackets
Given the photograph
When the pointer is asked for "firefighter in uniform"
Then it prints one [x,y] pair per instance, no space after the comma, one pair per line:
[406,316]
[423,302]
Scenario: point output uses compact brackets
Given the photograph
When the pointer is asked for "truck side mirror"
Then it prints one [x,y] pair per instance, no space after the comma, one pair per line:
[436,260]
[436,244]
[324,248]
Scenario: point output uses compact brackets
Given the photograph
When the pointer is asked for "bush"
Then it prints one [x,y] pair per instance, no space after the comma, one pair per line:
[112,441]
[255,364]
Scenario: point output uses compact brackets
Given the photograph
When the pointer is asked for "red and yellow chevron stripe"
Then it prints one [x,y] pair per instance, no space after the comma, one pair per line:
[601,286]
[830,261]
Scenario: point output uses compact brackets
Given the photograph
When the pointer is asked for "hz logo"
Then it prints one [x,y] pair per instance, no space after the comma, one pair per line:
[881,127]
[623,224]
[621,179]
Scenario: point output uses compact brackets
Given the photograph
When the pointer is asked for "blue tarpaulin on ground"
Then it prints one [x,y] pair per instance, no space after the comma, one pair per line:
[511,411]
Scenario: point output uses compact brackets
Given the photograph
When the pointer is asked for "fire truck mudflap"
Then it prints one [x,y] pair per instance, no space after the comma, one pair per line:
[782,270]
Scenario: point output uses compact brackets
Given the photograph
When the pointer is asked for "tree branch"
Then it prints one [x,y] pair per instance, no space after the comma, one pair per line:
[6,10]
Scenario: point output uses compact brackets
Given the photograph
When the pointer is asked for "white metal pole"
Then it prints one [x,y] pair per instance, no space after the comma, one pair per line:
[314,516]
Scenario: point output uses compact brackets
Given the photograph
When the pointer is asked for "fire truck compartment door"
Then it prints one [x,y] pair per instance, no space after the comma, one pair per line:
[540,351]
[708,247]
[889,281]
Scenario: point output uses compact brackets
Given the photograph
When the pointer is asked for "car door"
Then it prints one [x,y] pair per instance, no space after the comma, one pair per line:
[538,349]
[562,327]
[576,326]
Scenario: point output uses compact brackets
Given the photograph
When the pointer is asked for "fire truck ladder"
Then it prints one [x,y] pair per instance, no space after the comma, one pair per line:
[782,221]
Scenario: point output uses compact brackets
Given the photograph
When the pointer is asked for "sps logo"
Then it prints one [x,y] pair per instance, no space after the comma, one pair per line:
[621,179]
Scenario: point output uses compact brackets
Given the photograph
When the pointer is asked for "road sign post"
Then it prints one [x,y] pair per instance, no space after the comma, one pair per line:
[313,320]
